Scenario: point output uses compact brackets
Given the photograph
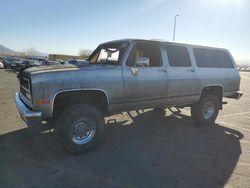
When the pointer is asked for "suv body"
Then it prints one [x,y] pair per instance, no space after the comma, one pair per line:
[131,74]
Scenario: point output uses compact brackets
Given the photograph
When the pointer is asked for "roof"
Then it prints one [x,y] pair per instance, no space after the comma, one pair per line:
[160,41]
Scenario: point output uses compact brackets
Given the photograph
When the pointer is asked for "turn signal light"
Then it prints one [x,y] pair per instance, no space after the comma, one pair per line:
[41,102]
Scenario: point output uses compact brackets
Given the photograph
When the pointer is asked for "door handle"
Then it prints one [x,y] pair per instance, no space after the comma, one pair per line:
[191,70]
[134,71]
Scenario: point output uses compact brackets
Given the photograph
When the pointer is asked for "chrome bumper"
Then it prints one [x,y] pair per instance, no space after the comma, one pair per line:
[30,117]
[238,95]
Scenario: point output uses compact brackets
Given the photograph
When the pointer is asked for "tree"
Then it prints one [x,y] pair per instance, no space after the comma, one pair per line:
[30,51]
[85,52]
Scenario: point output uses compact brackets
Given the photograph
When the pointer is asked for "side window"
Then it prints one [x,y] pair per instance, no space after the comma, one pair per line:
[148,52]
[178,56]
[212,58]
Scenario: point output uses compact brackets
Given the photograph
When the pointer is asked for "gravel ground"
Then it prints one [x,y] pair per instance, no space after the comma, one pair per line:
[151,149]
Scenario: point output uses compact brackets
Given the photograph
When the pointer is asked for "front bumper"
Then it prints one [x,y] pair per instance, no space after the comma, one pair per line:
[31,118]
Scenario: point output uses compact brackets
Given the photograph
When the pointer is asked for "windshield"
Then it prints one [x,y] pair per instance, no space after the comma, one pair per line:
[109,53]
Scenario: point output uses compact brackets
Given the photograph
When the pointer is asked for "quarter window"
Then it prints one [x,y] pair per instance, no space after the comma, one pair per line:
[212,58]
[178,56]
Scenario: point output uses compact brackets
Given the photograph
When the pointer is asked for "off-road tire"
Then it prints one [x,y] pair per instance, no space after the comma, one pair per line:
[198,113]
[66,121]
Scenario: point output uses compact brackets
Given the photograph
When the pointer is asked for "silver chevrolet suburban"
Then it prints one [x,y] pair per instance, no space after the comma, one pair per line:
[126,75]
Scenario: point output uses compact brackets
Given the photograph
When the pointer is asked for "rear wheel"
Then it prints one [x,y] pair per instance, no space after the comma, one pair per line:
[206,110]
[80,128]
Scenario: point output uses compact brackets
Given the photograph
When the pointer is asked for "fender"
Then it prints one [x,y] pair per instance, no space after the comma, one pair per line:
[70,90]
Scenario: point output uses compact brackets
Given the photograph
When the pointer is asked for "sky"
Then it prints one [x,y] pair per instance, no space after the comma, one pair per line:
[66,26]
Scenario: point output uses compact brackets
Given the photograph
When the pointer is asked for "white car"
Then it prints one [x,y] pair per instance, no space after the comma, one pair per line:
[1,65]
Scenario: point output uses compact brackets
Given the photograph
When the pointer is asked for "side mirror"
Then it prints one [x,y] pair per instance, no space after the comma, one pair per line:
[142,62]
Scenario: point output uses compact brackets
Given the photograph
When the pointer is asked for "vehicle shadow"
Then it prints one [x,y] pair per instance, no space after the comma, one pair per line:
[152,150]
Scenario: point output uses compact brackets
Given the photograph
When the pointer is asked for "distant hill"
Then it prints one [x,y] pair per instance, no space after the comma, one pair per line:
[6,51]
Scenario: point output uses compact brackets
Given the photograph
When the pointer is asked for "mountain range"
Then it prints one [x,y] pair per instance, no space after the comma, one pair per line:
[4,51]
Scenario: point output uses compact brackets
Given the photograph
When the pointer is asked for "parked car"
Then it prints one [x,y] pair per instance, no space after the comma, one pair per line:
[83,62]
[127,75]
[7,61]
[16,65]
[28,63]
[62,62]
[47,62]
[76,62]
[2,61]
[1,65]
[72,62]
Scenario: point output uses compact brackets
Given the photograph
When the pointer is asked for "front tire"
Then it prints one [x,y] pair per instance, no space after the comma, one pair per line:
[80,128]
[206,110]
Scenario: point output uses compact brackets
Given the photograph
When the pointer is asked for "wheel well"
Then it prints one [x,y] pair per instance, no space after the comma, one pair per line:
[215,90]
[65,99]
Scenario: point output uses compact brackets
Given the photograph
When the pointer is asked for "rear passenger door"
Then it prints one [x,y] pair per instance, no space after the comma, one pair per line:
[181,75]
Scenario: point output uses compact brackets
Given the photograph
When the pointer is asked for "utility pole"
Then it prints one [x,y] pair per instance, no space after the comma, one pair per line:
[175,25]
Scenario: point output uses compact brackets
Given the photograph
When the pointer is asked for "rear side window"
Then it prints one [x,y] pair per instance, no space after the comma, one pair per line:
[212,58]
[178,56]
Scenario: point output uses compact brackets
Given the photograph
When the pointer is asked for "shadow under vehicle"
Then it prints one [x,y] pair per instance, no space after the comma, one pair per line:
[150,149]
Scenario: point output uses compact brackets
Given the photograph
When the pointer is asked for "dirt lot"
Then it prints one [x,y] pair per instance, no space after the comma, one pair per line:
[150,150]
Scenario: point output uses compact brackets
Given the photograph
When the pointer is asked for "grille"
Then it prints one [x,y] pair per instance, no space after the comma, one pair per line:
[24,82]
[25,90]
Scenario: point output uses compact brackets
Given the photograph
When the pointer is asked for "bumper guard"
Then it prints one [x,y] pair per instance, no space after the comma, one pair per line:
[31,118]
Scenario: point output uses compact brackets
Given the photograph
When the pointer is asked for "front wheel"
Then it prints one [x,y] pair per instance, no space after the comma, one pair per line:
[206,110]
[80,128]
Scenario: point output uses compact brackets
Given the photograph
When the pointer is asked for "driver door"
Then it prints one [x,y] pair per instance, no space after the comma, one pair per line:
[145,85]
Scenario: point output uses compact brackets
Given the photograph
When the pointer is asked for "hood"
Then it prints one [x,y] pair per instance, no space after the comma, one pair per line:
[62,68]
[49,68]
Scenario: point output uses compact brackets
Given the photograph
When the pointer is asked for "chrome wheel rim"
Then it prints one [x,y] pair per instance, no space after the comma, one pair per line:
[83,130]
[208,110]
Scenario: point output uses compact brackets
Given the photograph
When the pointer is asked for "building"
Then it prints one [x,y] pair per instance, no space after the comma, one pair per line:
[54,57]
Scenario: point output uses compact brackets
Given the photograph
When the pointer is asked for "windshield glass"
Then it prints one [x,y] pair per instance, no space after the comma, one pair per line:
[109,53]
